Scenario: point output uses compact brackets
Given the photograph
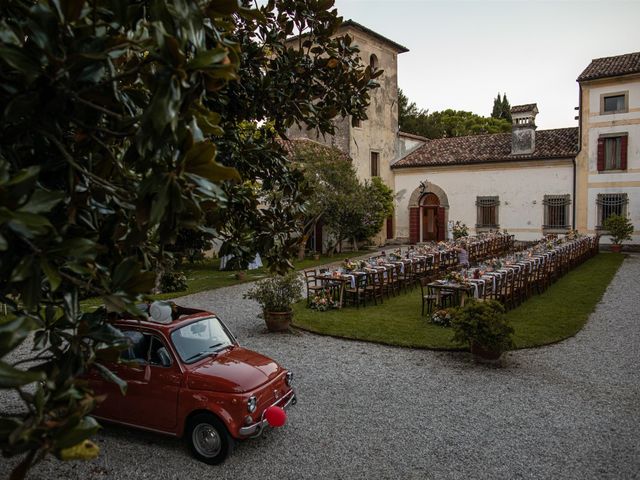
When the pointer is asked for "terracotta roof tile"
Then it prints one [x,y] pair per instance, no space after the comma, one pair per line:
[523,108]
[473,149]
[611,67]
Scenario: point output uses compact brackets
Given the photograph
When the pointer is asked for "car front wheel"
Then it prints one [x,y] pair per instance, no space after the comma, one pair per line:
[209,439]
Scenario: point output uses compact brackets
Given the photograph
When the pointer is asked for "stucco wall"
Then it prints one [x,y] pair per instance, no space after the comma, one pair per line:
[590,182]
[521,187]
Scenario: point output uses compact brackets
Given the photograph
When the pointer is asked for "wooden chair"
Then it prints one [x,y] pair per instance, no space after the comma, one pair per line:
[357,295]
[375,286]
[429,298]
[313,286]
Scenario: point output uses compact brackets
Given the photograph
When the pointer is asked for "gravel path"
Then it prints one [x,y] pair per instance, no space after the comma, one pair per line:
[567,411]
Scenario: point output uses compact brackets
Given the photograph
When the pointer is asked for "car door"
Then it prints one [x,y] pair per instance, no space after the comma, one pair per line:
[131,364]
[152,387]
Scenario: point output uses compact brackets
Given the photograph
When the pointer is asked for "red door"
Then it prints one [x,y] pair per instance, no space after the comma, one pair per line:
[414,225]
[440,224]
[429,224]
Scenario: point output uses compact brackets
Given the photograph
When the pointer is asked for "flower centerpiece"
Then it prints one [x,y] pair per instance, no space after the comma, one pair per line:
[456,277]
[495,263]
[349,265]
[323,301]
[459,230]
[442,317]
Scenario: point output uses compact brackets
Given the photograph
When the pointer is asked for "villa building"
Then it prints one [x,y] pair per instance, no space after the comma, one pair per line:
[529,182]
[608,173]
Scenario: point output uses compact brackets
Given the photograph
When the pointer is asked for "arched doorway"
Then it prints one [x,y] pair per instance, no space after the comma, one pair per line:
[428,212]
[432,218]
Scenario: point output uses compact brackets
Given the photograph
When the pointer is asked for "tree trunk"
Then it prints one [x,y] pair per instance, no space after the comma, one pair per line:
[302,247]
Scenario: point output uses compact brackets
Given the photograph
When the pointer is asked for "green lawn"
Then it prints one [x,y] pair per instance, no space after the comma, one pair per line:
[558,313]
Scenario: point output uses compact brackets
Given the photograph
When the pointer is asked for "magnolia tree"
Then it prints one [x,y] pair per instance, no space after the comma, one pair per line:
[119,127]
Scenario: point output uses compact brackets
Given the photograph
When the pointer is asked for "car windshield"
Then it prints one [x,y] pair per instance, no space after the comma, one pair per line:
[204,337]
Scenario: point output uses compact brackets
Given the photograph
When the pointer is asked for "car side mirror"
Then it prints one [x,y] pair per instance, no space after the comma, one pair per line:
[164,357]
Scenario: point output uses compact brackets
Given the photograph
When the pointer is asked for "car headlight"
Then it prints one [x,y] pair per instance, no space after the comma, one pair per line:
[252,403]
[289,378]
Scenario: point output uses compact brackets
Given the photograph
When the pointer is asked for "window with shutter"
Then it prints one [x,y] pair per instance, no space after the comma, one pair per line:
[612,152]
[487,212]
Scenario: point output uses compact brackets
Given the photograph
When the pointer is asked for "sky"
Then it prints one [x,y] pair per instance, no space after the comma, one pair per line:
[462,53]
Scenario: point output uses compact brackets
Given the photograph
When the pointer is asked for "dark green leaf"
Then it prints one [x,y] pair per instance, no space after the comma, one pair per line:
[207,58]
[223,7]
[23,270]
[199,160]
[13,377]
[16,58]
[52,274]
[42,201]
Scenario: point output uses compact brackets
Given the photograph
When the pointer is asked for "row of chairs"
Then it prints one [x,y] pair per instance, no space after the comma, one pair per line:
[516,285]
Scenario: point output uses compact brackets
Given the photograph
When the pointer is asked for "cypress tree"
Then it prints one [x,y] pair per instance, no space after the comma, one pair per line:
[497,107]
[505,109]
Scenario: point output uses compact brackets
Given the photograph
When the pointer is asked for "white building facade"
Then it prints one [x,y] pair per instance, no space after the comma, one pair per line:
[608,176]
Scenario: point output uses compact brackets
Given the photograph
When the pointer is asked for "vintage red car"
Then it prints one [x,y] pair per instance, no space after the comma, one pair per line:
[187,376]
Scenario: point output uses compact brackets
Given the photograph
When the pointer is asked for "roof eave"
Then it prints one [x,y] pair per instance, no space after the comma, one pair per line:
[497,160]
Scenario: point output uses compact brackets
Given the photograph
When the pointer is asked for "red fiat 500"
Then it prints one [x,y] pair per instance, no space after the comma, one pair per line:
[187,376]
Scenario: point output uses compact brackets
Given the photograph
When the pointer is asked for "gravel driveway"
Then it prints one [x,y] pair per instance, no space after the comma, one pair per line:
[567,411]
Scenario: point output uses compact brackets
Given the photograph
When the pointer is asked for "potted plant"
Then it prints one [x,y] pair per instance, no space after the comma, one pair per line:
[620,229]
[484,327]
[275,295]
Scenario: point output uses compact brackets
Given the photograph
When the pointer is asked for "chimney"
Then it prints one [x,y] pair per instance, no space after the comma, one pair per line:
[523,130]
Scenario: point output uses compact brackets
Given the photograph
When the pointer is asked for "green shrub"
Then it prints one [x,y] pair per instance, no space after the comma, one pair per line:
[277,293]
[482,323]
[173,281]
[620,228]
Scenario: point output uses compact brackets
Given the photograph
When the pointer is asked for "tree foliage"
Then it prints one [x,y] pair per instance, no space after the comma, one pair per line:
[447,123]
[501,108]
[121,123]
[349,208]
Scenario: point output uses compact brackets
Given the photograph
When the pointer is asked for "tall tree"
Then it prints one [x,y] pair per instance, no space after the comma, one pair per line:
[450,123]
[496,112]
[506,108]
[120,121]
[406,111]
[501,108]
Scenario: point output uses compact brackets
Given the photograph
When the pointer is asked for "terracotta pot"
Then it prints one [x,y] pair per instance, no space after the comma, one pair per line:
[316,257]
[278,321]
[616,248]
[241,275]
[480,351]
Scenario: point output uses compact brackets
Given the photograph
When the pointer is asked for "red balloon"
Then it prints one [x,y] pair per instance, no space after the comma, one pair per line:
[275,416]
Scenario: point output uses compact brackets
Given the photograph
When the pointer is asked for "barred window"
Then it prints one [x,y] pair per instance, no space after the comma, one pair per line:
[611,204]
[556,212]
[487,212]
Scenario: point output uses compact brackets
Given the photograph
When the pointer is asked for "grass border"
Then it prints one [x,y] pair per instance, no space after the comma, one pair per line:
[544,329]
